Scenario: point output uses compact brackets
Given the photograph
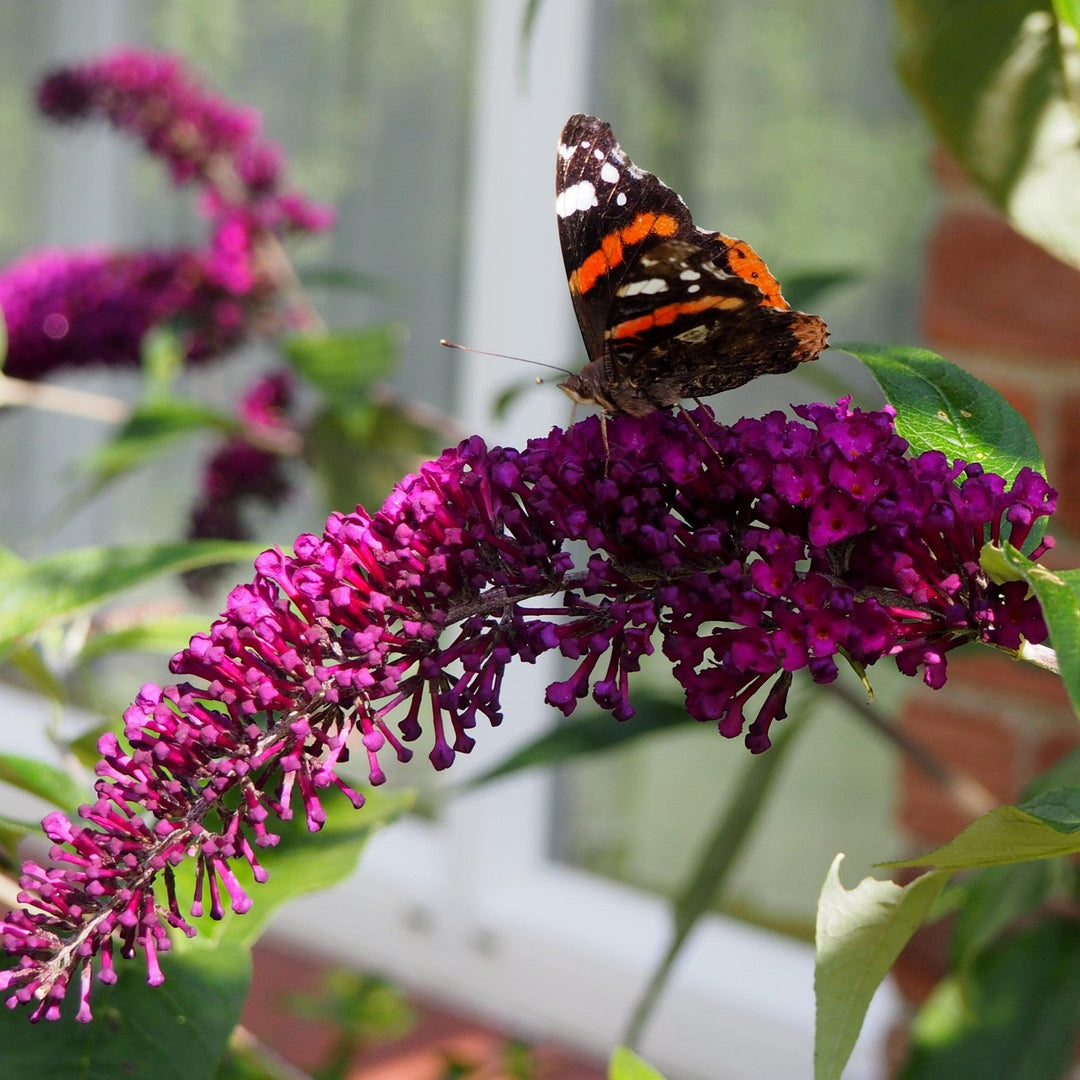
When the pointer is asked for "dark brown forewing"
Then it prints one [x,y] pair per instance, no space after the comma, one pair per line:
[682,325]
[603,202]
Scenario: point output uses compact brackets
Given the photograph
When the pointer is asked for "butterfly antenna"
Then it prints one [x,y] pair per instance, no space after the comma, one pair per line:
[503,356]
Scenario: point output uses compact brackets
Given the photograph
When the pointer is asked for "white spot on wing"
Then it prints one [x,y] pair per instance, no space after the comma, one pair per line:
[620,199]
[693,288]
[643,287]
[609,174]
[598,154]
[690,275]
[566,152]
[579,196]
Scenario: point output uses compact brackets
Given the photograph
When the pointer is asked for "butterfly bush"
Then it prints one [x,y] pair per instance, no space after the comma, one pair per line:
[75,308]
[747,553]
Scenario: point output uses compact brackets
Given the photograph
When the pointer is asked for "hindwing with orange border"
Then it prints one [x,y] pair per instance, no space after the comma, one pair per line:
[667,310]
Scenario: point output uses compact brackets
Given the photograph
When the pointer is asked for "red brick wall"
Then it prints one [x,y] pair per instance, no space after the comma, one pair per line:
[1010,314]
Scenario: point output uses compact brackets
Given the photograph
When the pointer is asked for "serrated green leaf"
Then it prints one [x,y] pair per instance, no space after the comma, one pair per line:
[342,365]
[32,594]
[941,407]
[993,79]
[1006,835]
[626,1065]
[860,933]
[591,733]
[177,1031]
[43,780]
[1013,1016]
[1058,592]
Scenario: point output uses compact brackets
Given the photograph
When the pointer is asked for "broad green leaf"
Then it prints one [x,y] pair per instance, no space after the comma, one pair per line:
[177,1031]
[344,366]
[33,594]
[305,862]
[994,899]
[717,856]
[1013,1016]
[589,734]
[626,1065]
[1058,592]
[940,406]
[157,635]
[860,933]
[1045,827]
[993,78]
[43,780]
[154,427]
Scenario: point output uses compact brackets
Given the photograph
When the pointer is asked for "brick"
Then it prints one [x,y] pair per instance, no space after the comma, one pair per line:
[973,742]
[989,289]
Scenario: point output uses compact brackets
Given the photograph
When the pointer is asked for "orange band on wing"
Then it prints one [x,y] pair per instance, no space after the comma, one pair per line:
[610,253]
[750,266]
[664,316]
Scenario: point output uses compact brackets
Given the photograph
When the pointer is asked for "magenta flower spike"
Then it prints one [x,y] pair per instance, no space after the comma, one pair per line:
[748,553]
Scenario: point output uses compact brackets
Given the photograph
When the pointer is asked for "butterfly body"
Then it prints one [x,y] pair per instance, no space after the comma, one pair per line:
[667,310]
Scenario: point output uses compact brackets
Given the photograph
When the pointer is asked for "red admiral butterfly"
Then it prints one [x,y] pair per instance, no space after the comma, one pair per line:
[667,310]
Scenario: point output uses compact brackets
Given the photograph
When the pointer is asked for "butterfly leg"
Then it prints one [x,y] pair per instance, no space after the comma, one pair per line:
[694,424]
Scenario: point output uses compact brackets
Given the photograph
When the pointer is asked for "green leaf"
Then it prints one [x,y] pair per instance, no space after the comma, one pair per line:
[43,780]
[994,899]
[626,1065]
[177,1031]
[344,366]
[993,78]
[1068,12]
[12,831]
[718,855]
[154,427]
[33,594]
[941,407]
[39,677]
[305,862]
[1012,1017]
[1058,593]
[860,933]
[805,289]
[1043,828]
[591,733]
[155,635]
[344,277]
[360,451]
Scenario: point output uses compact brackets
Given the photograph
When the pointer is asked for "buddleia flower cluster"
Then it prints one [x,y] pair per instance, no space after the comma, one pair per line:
[88,307]
[746,554]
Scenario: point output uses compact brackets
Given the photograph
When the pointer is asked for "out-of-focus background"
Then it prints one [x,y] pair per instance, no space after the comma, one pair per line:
[431,125]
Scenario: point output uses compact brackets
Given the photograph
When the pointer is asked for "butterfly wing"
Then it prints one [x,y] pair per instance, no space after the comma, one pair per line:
[666,310]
